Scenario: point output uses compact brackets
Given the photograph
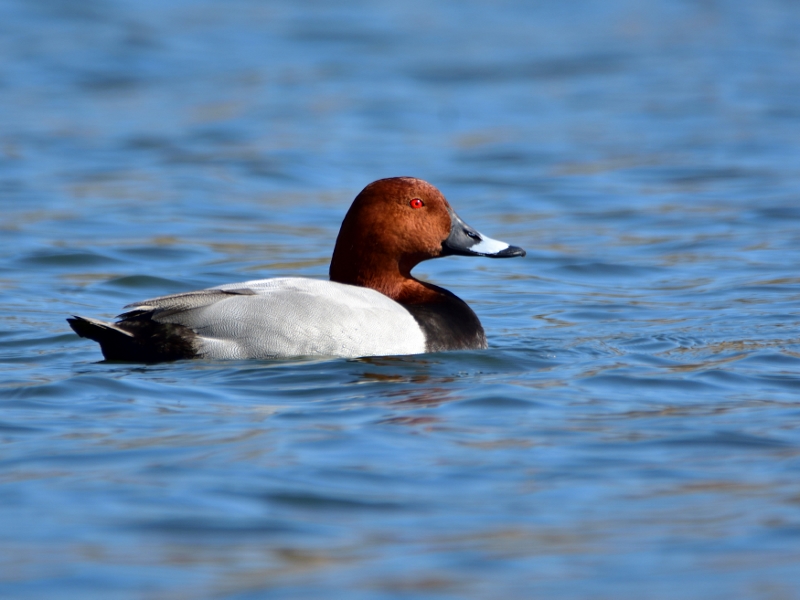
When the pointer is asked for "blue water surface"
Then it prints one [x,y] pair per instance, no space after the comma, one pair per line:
[634,429]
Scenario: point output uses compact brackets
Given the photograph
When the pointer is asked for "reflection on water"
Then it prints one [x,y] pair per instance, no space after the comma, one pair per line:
[630,433]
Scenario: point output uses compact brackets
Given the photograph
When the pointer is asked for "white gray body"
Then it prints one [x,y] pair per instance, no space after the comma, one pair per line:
[290,317]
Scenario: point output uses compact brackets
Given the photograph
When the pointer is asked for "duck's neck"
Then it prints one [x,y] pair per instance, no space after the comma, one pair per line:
[389,277]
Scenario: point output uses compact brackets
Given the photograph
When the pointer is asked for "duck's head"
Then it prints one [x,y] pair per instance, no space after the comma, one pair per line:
[396,223]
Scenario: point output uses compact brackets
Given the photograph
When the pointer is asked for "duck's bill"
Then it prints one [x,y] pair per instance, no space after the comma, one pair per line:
[466,241]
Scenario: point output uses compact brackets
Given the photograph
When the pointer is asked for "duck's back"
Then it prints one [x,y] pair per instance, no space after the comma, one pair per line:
[269,318]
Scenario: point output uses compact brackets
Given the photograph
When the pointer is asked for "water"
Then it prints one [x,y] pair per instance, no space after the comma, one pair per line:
[631,433]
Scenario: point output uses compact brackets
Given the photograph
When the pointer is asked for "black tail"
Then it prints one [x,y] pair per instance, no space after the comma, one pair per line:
[137,340]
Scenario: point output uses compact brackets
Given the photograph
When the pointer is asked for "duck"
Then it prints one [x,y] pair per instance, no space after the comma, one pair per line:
[371,306]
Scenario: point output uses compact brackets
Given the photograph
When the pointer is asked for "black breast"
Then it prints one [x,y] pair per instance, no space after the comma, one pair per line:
[448,324]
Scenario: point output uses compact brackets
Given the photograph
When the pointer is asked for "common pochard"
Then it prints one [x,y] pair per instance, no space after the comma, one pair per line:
[372,305]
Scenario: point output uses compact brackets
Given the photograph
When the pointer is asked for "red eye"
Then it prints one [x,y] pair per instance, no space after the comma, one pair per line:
[416,203]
